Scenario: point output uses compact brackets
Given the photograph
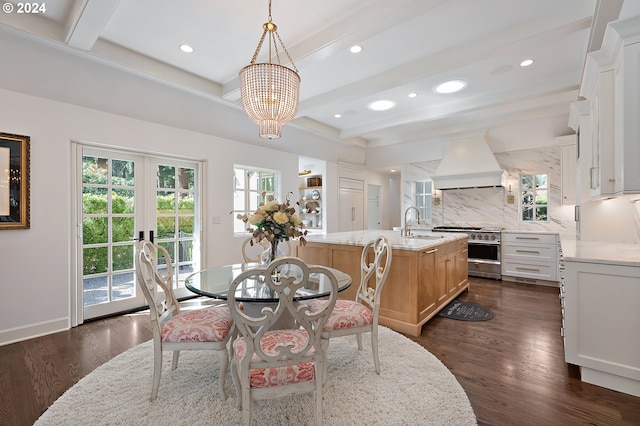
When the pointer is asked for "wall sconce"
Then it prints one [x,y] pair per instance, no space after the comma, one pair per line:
[436,199]
[510,197]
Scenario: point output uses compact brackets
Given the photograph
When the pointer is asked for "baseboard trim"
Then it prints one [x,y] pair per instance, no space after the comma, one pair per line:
[530,281]
[18,334]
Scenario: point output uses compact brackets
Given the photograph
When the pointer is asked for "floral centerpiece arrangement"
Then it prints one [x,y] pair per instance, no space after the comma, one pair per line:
[275,222]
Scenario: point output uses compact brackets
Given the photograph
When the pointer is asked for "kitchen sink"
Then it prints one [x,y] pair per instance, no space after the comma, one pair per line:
[426,237]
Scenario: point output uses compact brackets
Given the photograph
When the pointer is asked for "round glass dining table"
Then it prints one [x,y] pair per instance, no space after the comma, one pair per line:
[215,282]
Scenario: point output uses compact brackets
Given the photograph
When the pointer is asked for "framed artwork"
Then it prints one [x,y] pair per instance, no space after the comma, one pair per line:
[14,181]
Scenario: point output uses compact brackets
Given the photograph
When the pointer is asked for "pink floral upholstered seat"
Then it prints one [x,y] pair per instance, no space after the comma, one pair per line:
[271,362]
[276,376]
[361,316]
[202,325]
[208,328]
[346,315]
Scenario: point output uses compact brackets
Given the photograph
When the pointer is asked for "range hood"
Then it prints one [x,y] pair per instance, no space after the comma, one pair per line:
[468,163]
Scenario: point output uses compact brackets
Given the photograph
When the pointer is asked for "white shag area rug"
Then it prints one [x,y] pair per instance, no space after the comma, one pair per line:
[413,387]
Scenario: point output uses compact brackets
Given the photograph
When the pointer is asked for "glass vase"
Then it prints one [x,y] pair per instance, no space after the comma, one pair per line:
[272,253]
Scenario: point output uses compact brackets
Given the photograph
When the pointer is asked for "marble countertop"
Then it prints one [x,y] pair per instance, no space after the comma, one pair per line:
[415,243]
[600,252]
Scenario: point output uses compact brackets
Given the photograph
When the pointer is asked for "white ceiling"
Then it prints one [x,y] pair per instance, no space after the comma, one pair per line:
[408,46]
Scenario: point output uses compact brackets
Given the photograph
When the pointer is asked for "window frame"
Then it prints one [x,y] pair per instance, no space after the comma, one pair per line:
[533,194]
[425,209]
[252,197]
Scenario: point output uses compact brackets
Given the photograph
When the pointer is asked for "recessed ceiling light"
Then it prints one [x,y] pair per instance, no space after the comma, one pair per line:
[451,86]
[526,62]
[355,49]
[381,105]
[186,48]
[337,115]
[413,95]
[392,170]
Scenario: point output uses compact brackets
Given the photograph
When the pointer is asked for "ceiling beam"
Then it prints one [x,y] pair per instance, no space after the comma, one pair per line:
[88,19]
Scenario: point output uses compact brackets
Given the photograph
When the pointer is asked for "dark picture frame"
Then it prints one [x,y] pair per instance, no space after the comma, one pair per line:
[14,181]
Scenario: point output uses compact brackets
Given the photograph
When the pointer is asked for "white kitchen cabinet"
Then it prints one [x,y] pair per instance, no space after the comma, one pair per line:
[351,205]
[600,323]
[530,257]
[611,84]
[568,168]
[580,121]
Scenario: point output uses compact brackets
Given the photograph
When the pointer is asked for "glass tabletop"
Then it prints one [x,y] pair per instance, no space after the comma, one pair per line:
[215,282]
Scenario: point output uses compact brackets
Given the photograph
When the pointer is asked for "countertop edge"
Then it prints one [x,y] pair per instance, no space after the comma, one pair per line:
[361,238]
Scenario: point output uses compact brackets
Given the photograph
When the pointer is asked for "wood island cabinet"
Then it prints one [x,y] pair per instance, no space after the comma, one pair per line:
[419,284]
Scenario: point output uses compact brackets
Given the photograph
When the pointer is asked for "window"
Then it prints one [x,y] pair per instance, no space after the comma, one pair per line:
[249,184]
[423,199]
[534,192]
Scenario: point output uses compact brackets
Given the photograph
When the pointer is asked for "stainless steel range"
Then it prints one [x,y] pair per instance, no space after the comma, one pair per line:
[484,250]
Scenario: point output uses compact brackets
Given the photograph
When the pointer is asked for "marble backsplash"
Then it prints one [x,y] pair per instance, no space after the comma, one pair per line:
[489,206]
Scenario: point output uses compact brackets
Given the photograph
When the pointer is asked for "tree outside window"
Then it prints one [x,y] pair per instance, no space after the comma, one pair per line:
[249,183]
[534,193]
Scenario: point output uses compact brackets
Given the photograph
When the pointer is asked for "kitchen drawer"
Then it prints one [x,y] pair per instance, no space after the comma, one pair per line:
[529,238]
[529,270]
[538,253]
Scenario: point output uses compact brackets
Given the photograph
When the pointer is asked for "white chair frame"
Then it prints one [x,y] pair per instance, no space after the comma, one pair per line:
[369,296]
[254,329]
[151,282]
[266,245]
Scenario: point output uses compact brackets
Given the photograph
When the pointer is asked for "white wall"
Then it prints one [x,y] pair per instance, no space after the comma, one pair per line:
[35,263]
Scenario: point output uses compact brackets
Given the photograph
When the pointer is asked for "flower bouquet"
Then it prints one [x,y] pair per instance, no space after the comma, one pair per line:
[275,222]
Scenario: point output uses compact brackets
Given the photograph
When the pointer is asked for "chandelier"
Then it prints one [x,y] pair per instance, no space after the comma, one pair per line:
[270,91]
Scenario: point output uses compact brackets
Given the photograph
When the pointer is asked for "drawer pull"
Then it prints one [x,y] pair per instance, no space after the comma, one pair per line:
[527,269]
[527,238]
[528,251]
[430,251]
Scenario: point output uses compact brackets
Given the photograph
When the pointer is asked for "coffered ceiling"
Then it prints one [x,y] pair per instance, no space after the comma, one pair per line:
[408,46]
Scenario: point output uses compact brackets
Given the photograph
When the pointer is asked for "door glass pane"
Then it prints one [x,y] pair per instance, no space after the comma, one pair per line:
[95,260]
[122,173]
[186,251]
[94,170]
[166,177]
[123,286]
[123,257]
[186,203]
[95,290]
[186,178]
[95,230]
[94,200]
[166,226]
[123,229]
[185,225]
[122,201]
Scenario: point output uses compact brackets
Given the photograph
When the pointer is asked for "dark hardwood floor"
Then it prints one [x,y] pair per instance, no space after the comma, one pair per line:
[512,367]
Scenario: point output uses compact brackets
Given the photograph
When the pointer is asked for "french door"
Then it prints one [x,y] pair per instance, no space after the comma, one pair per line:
[123,197]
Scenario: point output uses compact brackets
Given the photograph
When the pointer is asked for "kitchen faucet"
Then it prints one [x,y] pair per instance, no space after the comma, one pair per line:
[407,231]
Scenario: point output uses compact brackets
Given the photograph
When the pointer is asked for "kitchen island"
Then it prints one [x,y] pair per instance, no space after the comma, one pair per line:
[428,270]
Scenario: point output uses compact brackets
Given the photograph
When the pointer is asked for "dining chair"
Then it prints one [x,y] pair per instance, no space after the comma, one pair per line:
[361,315]
[201,329]
[271,363]
[252,252]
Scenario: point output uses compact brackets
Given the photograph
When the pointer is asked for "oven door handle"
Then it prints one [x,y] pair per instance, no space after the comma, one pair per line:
[483,243]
